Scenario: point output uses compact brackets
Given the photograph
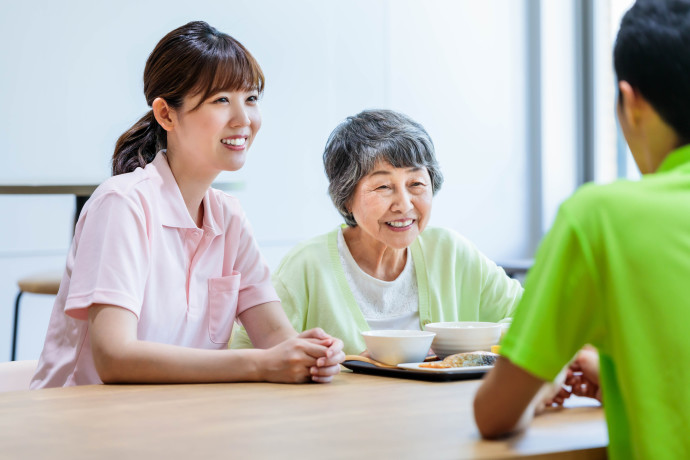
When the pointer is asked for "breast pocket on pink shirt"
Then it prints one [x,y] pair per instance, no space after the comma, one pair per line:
[222,299]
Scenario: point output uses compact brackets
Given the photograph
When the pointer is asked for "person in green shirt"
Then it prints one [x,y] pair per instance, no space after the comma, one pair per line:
[613,271]
[385,269]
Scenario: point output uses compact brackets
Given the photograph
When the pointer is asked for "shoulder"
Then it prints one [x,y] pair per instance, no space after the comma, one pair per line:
[451,260]
[444,240]
[608,194]
[444,250]
[225,207]
[619,202]
[308,258]
[225,199]
[307,253]
[130,190]
[126,183]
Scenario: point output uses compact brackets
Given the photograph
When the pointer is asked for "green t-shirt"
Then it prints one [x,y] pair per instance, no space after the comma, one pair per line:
[456,282]
[614,271]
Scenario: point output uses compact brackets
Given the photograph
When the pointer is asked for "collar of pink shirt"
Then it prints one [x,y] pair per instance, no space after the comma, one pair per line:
[174,212]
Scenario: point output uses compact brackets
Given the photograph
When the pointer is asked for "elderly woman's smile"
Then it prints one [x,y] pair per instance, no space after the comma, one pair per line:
[391,206]
[401,225]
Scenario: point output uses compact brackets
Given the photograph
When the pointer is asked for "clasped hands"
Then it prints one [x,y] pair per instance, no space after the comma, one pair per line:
[328,364]
[312,355]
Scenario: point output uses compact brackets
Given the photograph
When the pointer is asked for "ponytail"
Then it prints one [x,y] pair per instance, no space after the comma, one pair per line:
[138,146]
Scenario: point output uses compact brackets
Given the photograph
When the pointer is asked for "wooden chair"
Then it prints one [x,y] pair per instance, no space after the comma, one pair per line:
[43,283]
[16,375]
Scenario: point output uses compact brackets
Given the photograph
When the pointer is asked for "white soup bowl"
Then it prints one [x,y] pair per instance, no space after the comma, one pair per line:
[463,336]
[398,346]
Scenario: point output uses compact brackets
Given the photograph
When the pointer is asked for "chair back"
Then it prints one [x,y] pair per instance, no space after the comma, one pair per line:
[16,375]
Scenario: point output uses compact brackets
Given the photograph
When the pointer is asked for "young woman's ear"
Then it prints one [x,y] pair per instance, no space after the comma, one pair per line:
[165,115]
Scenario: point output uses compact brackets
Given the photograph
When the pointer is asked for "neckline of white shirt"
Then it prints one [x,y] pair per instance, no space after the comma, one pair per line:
[346,257]
[394,301]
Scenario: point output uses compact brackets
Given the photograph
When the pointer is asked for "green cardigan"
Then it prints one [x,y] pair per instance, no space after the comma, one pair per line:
[456,282]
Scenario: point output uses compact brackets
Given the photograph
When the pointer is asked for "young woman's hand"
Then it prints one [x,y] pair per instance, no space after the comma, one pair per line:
[318,353]
[328,365]
[291,361]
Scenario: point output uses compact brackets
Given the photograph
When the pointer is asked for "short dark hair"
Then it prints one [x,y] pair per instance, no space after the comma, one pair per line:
[652,53]
[358,143]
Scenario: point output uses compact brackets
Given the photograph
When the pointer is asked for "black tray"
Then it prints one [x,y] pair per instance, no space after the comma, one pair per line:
[368,368]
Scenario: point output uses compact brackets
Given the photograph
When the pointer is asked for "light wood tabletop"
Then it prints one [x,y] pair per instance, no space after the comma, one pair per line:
[355,416]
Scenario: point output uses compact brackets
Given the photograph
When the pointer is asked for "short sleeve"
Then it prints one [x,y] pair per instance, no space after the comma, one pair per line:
[110,256]
[255,282]
[558,312]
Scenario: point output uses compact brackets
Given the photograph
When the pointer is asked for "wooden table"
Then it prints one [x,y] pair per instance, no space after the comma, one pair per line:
[354,417]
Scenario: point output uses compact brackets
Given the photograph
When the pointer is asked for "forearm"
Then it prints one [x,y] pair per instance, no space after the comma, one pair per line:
[119,356]
[493,421]
[506,400]
[148,362]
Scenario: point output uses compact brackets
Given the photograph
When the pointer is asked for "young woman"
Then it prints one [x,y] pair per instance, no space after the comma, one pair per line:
[162,265]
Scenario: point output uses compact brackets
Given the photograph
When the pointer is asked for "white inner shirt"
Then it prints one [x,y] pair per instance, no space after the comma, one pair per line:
[384,304]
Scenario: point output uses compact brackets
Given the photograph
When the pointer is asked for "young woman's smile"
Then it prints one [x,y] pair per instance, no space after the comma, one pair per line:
[235,142]
[215,134]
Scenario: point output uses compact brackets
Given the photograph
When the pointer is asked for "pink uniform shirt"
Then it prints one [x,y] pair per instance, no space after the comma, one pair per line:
[136,246]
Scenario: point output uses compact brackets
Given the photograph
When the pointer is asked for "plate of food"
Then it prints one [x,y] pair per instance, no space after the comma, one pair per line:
[476,361]
[444,370]
[461,366]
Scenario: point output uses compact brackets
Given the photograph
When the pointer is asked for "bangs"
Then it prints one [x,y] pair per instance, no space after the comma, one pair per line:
[402,152]
[227,66]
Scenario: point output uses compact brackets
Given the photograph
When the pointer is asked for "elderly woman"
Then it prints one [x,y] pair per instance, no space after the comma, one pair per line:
[385,269]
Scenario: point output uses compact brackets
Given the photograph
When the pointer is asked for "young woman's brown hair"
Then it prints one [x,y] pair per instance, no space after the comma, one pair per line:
[192,59]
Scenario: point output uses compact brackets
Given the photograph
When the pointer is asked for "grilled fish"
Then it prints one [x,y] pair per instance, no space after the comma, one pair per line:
[471,359]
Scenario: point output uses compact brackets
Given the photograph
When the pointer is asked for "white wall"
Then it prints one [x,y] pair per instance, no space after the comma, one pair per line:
[559,106]
[71,83]
[459,68]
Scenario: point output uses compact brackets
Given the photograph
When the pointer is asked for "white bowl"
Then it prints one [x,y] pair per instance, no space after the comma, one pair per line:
[505,325]
[398,346]
[463,336]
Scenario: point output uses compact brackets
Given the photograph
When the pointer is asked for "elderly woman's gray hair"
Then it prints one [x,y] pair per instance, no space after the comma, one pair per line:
[358,143]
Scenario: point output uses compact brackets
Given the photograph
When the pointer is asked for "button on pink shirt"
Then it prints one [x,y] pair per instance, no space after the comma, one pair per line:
[136,246]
